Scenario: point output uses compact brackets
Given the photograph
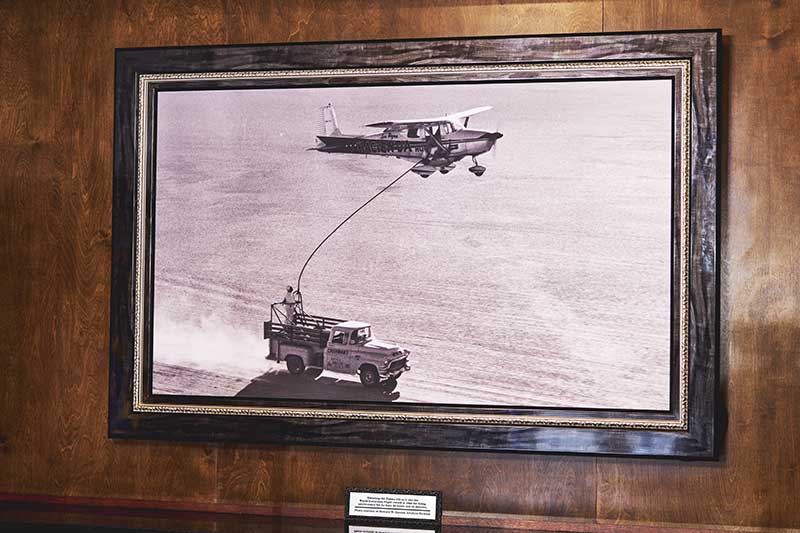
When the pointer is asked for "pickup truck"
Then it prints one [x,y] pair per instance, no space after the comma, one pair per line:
[343,346]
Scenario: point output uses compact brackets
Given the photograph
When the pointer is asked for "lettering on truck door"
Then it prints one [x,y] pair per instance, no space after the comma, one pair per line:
[338,354]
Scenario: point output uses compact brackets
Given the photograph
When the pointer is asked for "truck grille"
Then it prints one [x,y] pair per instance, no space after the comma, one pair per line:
[398,365]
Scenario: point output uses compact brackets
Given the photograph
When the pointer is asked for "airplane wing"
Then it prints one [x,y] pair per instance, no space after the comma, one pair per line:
[458,117]
[404,124]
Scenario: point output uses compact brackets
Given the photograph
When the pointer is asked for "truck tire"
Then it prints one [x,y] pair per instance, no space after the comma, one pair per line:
[295,365]
[369,376]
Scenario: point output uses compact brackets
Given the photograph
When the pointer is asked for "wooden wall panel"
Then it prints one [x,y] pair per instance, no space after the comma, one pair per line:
[254,21]
[56,94]
[473,482]
[758,479]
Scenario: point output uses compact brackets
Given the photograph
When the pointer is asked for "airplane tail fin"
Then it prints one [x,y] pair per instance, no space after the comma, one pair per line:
[330,126]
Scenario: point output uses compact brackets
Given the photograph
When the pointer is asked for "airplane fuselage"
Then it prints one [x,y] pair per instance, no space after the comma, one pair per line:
[454,146]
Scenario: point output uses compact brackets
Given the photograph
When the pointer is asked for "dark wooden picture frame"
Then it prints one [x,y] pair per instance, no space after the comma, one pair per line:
[685,430]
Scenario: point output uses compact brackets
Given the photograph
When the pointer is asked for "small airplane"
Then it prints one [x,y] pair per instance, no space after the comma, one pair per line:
[435,143]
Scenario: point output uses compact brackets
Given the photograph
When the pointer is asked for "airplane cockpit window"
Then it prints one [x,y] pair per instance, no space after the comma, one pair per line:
[413,133]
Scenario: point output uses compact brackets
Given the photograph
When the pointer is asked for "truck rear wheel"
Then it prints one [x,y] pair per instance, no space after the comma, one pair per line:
[369,376]
[295,365]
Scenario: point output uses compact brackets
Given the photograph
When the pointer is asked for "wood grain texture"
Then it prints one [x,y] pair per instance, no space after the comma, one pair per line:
[758,479]
[57,93]
[256,21]
[471,482]
[55,199]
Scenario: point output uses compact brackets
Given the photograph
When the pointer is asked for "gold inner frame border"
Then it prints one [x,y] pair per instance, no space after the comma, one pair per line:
[683,131]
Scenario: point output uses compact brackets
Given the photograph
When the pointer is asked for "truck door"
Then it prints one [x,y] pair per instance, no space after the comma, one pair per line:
[337,353]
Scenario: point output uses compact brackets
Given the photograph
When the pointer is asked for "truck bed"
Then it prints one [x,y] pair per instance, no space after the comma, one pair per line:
[307,329]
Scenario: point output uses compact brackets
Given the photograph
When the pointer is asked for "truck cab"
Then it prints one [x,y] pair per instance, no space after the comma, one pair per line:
[351,349]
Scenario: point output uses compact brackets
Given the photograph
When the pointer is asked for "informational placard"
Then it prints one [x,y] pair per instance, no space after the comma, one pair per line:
[351,528]
[394,505]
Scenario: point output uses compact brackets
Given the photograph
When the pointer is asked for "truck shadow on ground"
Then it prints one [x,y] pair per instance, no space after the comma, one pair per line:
[312,385]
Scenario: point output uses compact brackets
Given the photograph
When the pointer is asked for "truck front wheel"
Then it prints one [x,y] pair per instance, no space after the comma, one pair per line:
[369,376]
[295,365]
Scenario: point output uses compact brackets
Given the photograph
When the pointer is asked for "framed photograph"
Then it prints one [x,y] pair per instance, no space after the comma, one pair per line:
[481,244]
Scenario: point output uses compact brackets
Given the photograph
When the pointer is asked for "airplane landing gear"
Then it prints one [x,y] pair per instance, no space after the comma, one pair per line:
[423,171]
[446,169]
[478,170]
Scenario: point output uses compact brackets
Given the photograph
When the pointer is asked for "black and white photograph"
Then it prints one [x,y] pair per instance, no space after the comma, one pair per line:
[490,244]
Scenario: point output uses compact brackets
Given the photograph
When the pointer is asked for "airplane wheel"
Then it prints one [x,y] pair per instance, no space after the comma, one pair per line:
[444,170]
[478,170]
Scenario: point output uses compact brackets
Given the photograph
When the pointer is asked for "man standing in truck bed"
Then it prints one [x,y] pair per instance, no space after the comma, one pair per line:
[289,304]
